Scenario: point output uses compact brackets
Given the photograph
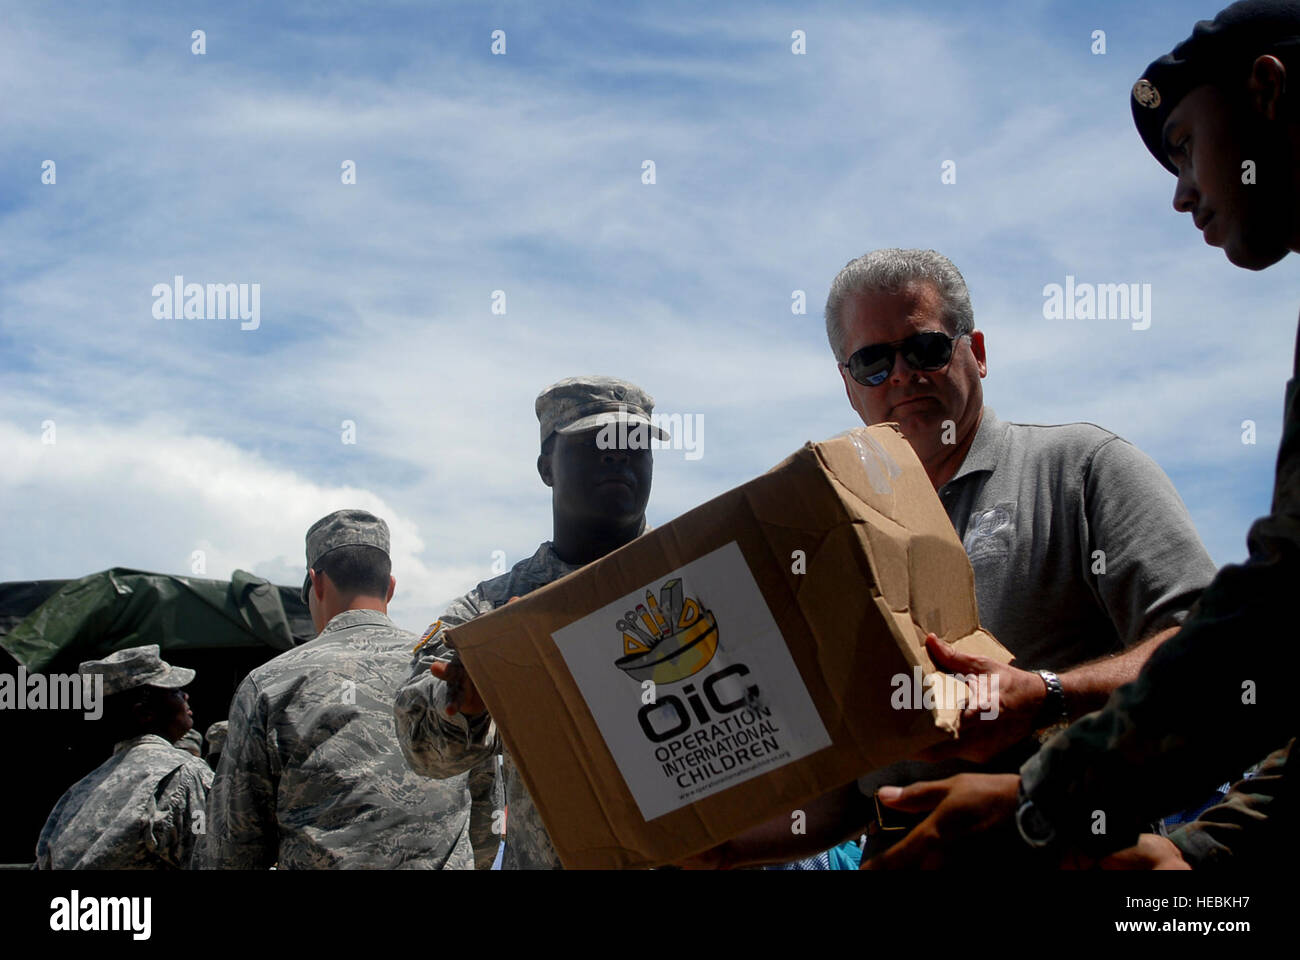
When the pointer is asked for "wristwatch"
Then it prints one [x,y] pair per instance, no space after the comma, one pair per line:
[1035,829]
[1055,715]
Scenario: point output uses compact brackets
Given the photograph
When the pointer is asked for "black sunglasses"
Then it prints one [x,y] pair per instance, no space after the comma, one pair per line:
[927,352]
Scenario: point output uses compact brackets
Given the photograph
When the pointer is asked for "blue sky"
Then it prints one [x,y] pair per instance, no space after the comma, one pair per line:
[522,173]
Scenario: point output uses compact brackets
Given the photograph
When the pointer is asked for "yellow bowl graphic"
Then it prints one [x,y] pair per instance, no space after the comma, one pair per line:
[676,657]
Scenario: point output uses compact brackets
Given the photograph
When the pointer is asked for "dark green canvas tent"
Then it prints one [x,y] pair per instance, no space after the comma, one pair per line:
[219,628]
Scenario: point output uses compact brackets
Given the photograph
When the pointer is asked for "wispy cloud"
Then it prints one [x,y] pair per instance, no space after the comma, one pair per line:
[523,173]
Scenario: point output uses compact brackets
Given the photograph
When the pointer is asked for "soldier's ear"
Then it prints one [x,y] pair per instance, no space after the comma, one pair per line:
[392,586]
[142,710]
[544,469]
[1267,85]
[318,580]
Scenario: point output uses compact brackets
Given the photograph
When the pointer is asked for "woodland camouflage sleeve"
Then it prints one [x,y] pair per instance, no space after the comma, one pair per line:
[1247,827]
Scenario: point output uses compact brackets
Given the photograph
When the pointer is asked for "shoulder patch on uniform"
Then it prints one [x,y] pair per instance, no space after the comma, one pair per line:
[428,635]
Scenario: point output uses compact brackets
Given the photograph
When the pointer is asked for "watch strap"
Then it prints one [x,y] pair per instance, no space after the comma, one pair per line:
[1054,710]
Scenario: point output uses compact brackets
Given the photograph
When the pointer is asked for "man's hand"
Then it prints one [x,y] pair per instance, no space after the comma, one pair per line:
[1013,699]
[962,809]
[462,697]
[1151,852]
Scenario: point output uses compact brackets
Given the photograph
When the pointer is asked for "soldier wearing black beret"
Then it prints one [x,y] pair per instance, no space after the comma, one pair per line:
[1220,113]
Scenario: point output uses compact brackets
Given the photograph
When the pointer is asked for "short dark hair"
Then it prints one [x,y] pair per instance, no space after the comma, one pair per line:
[357,570]
[119,721]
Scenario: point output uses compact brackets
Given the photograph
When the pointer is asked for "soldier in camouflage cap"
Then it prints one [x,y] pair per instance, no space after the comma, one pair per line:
[596,459]
[136,667]
[1211,700]
[312,776]
[143,807]
[342,528]
[580,404]
[216,737]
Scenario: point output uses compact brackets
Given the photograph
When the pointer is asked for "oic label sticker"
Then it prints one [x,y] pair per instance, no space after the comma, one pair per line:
[691,684]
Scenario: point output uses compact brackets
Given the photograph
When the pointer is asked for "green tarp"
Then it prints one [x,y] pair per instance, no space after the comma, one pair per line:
[93,616]
[221,629]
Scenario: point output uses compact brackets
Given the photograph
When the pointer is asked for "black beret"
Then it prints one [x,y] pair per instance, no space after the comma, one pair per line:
[1218,51]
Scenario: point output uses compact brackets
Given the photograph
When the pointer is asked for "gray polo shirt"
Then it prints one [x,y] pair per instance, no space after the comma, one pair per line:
[1080,544]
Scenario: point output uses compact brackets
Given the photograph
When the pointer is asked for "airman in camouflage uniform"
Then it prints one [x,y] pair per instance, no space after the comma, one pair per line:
[143,807]
[311,776]
[599,500]
[216,737]
[1212,699]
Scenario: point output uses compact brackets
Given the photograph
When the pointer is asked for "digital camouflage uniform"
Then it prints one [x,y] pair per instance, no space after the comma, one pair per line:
[143,807]
[437,745]
[1258,818]
[311,776]
[216,738]
[486,799]
[191,743]
[136,811]
[1216,697]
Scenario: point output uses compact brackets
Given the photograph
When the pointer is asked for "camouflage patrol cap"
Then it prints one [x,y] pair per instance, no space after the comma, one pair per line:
[136,667]
[192,742]
[1219,51]
[342,528]
[585,403]
[216,737]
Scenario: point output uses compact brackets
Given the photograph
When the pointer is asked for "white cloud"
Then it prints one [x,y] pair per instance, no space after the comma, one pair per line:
[475,175]
[147,497]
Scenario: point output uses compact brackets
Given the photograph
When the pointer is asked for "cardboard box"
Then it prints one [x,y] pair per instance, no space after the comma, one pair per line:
[749,656]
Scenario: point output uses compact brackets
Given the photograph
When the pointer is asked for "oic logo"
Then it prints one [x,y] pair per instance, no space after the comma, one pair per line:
[669,639]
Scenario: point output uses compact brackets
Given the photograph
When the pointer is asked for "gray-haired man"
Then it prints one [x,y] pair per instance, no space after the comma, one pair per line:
[1085,558]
